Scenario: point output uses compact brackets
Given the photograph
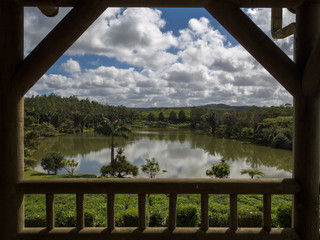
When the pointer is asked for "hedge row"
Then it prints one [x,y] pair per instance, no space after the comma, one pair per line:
[188,211]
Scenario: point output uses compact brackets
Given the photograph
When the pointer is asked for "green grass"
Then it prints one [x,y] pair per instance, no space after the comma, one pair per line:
[29,173]
[250,208]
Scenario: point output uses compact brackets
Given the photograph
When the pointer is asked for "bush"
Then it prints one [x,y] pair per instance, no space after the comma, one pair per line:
[131,217]
[221,170]
[65,217]
[218,215]
[35,219]
[249,216]
[52,162]
[284,214]
[188,215]
[158,216]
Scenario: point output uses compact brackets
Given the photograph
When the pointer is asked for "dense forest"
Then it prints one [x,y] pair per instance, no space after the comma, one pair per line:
[51,115]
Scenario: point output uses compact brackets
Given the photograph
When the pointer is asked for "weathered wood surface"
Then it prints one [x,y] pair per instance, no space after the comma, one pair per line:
[163,3]
[165,186]
[158,233]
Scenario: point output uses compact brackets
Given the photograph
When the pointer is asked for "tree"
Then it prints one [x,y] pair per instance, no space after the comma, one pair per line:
[161,117]
[151,168]
[52,162]
[70,166]
[182,116]
[212,120]
[120,168]
[221,170]
[151,117]
[173,117]
[113,129]
[252,172]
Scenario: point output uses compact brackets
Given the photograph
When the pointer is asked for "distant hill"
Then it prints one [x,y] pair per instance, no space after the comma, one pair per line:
[219,106]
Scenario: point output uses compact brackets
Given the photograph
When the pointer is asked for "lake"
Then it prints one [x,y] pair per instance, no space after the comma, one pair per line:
[183,153]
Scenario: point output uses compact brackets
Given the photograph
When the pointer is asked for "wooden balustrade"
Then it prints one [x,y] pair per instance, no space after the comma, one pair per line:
[141,187]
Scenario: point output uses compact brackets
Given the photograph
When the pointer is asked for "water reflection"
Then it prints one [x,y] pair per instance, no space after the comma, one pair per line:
[183,153]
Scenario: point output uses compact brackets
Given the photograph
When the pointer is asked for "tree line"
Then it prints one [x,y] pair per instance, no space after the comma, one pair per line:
[51,115]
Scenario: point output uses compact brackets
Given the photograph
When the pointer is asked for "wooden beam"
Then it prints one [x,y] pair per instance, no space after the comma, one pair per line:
[56,43]
[258,44]
[161,186]
[311,74]
[158,234]
[164,3]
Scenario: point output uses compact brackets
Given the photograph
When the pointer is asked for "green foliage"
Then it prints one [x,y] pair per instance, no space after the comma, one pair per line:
[221,170]
[188,215]
[161,117]
[218,215]
[120,168]
[173,117]
[151,117]
[151,168]
[284,214]
[70,165]
[182,116]
[252,172]
[52,162]
[131,217]
[47,130]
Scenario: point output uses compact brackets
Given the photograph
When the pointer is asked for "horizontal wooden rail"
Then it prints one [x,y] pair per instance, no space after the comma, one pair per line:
[163,3]
[157,233]
[159,186]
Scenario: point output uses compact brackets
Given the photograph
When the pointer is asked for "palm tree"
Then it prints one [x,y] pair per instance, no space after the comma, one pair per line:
[252,172]
[113,129]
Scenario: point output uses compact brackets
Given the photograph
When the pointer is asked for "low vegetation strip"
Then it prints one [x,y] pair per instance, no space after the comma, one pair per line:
[250,209]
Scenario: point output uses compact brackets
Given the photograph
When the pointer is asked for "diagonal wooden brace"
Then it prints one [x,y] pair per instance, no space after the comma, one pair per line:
[48,51]
[258,44]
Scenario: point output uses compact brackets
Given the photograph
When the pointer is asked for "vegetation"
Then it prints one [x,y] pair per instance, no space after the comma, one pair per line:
[70,165]
[252,172]
[120,167]
[151,168]
[221,170]
[52,162]
[113,129]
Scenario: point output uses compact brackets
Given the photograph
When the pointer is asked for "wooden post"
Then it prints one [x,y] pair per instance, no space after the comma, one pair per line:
[11,121]
[306,129]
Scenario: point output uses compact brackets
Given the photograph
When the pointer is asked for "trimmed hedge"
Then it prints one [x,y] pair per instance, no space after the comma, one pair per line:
[157,209]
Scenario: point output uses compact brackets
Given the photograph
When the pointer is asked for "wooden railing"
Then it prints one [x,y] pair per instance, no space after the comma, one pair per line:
[172,187]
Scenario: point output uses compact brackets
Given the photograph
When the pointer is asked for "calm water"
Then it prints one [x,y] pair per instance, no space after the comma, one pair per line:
[183,153]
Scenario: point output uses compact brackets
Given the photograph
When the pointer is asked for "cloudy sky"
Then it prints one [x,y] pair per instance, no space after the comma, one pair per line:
[143,57]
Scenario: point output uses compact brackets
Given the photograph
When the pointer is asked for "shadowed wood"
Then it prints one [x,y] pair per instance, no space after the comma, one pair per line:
[233,212]
[277,31]
[50,211]
[142,211]
[110,212]
[172,212]
[80,211]
[258,44]
[164,3]
[311,74]
[158,234]
[267,212]
[55,44]
[163,186]
[204,212]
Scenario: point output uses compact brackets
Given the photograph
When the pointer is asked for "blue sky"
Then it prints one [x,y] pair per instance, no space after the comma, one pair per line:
[142,57]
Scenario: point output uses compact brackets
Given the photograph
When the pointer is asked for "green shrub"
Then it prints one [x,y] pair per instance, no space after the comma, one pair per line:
[188,215]
[158,216]
[65,217]
[284,214]
[218,215]
[36,219]
[249,216]
[131,217]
